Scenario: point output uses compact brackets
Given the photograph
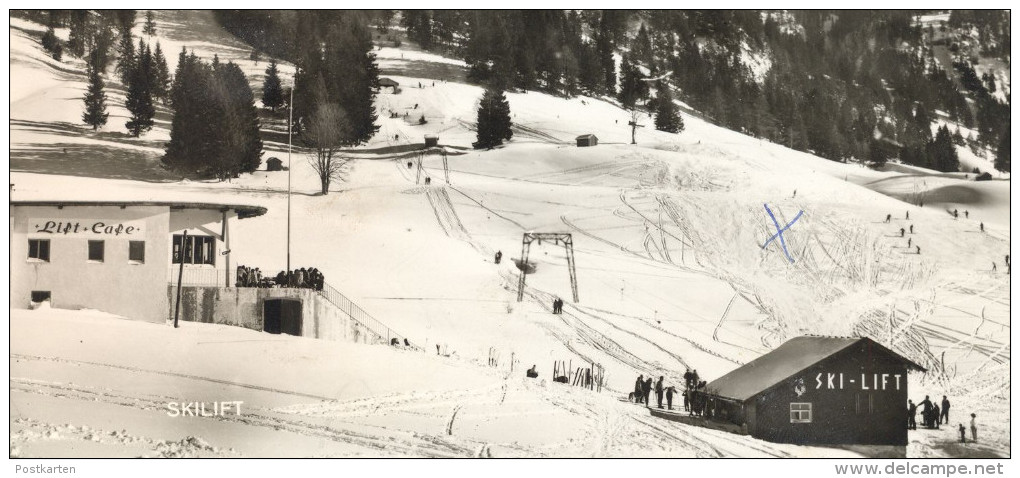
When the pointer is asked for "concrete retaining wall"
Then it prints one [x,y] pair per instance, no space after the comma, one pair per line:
[244,306]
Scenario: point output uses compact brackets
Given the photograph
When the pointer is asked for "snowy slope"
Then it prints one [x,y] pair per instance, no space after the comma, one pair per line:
[668,239]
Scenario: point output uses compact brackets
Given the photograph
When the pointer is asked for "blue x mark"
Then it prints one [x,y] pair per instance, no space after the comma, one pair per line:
[779,231]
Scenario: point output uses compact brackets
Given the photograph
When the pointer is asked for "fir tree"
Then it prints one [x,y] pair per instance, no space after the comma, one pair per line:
[1002,156]
[667,117]
[150,24]
[49,40]
[161,80]
[126,58]
[633,86]
[95,101]
[494,125]
[272,90]
[139,95]
[215,128]
[941,153]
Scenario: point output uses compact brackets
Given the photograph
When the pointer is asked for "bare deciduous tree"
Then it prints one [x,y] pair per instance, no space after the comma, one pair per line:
[325,133]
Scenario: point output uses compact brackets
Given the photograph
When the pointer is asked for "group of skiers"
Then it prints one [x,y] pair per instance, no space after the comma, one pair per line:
[933,416]
[693,393]
[309,278]
[249,277]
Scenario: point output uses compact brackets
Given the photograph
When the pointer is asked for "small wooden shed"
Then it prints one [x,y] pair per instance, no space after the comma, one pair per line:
[587,140]
[274,164]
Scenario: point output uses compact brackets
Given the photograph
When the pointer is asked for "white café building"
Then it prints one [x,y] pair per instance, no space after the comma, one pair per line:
[116,256]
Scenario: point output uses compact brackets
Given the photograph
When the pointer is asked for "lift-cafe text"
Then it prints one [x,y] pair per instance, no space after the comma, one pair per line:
[86,227]
[874,381]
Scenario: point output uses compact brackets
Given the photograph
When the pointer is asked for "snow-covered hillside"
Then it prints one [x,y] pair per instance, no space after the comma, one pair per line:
[672,274]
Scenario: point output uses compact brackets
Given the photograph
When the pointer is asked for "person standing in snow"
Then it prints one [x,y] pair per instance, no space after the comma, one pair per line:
[687,379]
[956,214]
[908,215]
[902,231]
[646,389]
[982,227]
[945,410]
[925,411]
[687,400]
[966,214]
[499,256]
[909,240]
[918,250]
[935,420]
[911,228]
[973,427]
[963,434]
[694,378]
[888,218]
[638,394]
[911,415]
[658,391]
[669,397]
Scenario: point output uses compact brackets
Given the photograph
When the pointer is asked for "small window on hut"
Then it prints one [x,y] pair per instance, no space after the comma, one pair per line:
[136,252]
[39,250]
[800,413]
[97,251]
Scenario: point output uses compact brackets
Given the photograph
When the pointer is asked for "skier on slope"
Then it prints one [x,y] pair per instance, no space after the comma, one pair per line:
[658,391]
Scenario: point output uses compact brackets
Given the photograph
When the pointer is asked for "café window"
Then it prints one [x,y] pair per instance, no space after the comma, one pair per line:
[97,251]
[39,249]
[194,250]
[136,252]
[800,413]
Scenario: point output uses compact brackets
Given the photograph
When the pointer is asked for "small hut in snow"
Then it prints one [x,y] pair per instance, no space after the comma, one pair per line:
[587,140]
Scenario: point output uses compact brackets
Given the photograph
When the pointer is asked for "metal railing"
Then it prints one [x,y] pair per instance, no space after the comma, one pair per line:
[200,276]
[357,314]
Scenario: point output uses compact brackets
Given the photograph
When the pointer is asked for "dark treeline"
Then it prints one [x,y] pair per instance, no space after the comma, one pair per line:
[843,84]
[860,84]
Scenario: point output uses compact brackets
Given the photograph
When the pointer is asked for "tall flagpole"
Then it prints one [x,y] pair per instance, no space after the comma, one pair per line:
[290,166]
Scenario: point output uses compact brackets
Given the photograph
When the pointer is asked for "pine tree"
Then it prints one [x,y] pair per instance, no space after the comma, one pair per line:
[272,90]
[95,101]
[667,117]
[494,125]
[240,150]
[139,96]
[190,95]
[150,24]
[161,84]
[1002,156]
[126,59]
[215,128]
[633,86]
[941,153]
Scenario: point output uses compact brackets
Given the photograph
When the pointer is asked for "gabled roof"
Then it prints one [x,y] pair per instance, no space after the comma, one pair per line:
[388,82]
[785,361]
[243,211]
[586,135]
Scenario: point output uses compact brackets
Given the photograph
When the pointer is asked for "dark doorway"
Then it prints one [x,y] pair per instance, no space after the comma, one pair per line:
[282,316]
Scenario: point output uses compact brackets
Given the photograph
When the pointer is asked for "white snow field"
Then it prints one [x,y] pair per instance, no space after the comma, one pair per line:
[671,273]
